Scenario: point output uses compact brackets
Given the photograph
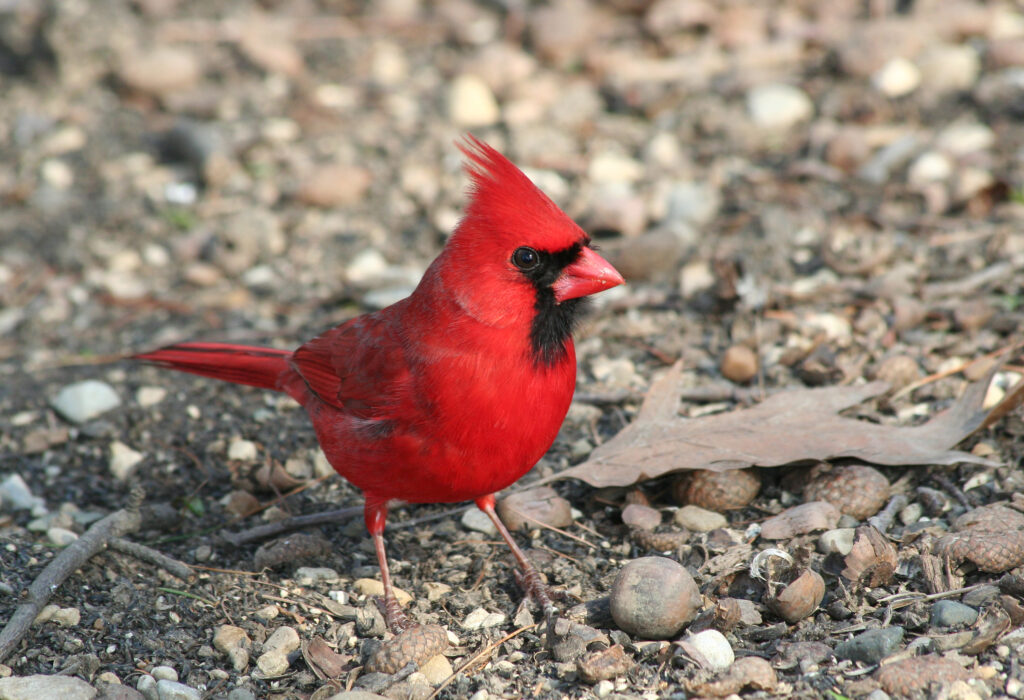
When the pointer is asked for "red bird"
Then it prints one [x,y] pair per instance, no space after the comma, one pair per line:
[456,391]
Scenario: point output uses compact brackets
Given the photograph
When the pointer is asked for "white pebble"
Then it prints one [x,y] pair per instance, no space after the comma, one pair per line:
[897,78]
[931,166]
[481,618]
[123,460]
[164,673]
[60,536]
[242,450]
[471,102]
[714,647]
[85,400]
[150,395]
[16,495]
[778,106]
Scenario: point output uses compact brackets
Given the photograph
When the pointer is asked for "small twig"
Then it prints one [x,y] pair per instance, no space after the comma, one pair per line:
[560,531]
[148,554]
[186,594]
[298,522]
[954,490]
[606,398]
[69,560]
[883,520]
[902,600]
[951,371]
[485,650]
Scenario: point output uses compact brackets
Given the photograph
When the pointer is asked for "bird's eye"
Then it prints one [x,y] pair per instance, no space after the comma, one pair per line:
[525,258]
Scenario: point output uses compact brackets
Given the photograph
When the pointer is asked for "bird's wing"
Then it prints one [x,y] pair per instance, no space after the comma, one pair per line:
[358,367]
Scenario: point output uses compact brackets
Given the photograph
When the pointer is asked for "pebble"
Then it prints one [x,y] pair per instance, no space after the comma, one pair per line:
[161,71]
[641,516]
[234,643]
[872,646]
[435,590]
[436,669]
[739,364]
[242,450]
[16,495]
[653,598]
[83,401]
[965,138]
[950,613]
[911,514]
[538,506]
[838,541]
[949,67]
[284,640]
[694,203]
[778,106]
[308,575]
[272,664]
[172,690]
[150,395]
[39,687]
[246,694]
[699,519]
[714,647]
[899,371]
[164,673]
[897,78]
[335,186]
[269,612]
[246,236]
[373,587]
[613,167]
[931,166]
[477,520]
[480,618]
[123,460]
[60,536]
[471,103]
[147,686]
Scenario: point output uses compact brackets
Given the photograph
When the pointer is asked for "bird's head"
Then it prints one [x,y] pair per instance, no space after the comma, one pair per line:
[516,257]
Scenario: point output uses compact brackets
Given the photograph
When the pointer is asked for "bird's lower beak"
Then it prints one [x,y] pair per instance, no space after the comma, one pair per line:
[588,275]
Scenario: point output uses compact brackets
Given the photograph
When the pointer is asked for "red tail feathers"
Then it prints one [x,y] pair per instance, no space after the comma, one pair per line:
[241,364]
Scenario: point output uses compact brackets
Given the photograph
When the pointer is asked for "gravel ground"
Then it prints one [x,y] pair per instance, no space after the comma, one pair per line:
[799,195]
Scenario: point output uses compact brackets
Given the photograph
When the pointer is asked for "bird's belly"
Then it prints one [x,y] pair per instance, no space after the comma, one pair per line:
[436,463]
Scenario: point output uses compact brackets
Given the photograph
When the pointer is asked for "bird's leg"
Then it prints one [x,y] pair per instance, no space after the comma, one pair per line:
[375,514]
[527,575]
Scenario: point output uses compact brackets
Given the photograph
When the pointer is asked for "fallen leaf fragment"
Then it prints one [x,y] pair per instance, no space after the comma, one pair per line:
[910,676]
[747,672]
[788,427]
[323,661]
[799,520]
[603,665]
[872,561]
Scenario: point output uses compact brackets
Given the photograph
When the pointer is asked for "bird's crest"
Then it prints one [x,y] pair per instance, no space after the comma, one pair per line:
[504,199]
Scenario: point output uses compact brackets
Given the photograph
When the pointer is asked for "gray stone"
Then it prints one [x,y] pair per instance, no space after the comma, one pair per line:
[16,495]
[172,690]
[872,646]
[949,613]
[38,687]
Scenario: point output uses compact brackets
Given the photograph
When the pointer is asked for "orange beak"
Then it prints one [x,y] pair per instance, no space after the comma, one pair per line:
[588,275]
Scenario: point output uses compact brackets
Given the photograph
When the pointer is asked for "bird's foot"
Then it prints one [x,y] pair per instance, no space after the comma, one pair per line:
[394,617]
[543,596]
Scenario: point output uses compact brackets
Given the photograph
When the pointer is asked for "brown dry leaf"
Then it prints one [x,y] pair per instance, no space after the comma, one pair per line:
[990,628]
[872,560]
[323,661]
[749,671]
[799,520]
[788,427]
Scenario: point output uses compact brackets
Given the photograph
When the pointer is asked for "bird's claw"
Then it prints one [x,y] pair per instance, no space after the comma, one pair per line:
[394,617]
[539,592]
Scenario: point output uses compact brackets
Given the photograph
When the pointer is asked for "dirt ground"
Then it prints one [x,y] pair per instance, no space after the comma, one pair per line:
[799,194]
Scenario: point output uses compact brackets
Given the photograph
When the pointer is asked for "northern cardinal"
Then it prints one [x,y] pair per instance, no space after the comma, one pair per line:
[456,391]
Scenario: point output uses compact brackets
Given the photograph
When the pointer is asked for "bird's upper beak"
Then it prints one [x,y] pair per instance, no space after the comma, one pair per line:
[588,275]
